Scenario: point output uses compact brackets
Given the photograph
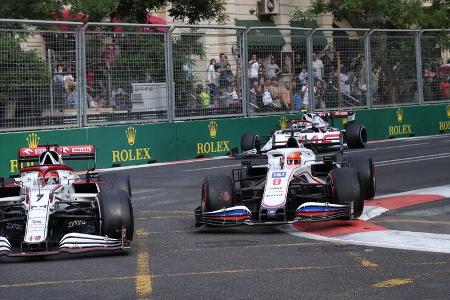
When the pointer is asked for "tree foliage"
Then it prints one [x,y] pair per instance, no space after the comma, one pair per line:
[191,11]
[387,13]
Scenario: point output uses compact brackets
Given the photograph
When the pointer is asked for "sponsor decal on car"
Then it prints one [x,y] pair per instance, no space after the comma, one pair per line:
[278,174]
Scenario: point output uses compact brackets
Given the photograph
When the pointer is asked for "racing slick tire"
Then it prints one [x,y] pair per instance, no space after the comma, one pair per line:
[366,170]
[116,211]
[217,193]
[355,136]
[249,141]
[345,188]
[116,181]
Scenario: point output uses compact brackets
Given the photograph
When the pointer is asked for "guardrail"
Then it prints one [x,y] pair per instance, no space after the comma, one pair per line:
[69,74]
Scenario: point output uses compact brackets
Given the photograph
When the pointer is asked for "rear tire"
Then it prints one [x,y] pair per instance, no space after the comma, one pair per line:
[356,136]
[217,193]
[249,141]
[366,170]
[345,188]
[116,211]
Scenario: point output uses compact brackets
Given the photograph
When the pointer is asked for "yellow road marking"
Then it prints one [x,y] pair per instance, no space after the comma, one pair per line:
[412,221]
[392,282]
[30,284]
[253,246]
[143,277]
[364,261]
[218,272]
[159,217]
[166,211]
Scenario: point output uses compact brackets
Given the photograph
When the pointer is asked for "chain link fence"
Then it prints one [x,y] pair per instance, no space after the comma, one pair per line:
[68,74]
[38,71]
[207,71]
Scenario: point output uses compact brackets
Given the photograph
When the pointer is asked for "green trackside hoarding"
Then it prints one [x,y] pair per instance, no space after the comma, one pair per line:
[142,144]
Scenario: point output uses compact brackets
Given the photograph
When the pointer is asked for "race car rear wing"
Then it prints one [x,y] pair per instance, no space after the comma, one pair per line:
[350,115]
[78,152]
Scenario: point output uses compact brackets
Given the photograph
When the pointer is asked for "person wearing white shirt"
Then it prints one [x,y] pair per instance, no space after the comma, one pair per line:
[212,77]
[317,67]
[254,67]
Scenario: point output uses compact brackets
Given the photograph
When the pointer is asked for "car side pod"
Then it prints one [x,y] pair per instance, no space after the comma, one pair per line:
[232,216]
[318,211]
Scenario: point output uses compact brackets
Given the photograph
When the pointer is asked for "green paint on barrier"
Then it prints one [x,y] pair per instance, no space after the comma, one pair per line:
[140,144]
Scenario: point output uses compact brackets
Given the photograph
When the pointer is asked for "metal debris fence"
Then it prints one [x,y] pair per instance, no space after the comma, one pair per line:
[69,74]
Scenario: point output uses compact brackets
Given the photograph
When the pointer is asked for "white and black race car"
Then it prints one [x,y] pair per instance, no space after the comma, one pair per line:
[51,209]
[312,130]
[294,186]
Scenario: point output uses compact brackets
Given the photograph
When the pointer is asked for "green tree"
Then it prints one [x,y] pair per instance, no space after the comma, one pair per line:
[387,13]
[191,11]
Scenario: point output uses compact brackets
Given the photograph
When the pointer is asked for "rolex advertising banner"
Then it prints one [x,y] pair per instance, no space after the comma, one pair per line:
[146,143]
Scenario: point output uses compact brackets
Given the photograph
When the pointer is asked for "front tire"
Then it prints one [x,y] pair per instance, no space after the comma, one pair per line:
[356,136]
[366,169]
[345,188]
[217,193]
[116,211]
[249,141]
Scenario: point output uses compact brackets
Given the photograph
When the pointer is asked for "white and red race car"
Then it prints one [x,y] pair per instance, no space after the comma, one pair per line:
[312,130]
[294,186]
[51,209]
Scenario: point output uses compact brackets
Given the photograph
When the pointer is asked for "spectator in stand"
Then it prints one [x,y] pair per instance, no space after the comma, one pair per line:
[109,54]
[232,96]
[286,96]
[317,67]
[344,83]
[267,97]
[276,92]
[253,65]
[444,87]
[255,91]
[303,77]
[305,94]
[297,97]
[261,72]
[226,78]
[272,69]
[222,64]
[203,97]
[212,78]
[319,94]
[329,62]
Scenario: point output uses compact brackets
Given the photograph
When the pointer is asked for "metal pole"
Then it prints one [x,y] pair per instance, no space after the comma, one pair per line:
[78,75]
[418,49]
[49,58]
[244,71]
[368,55]
[83,75]
[169,74]
[309,52]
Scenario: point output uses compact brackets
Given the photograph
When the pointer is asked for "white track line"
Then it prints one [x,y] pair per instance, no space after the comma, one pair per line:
[384,148]
[411,159]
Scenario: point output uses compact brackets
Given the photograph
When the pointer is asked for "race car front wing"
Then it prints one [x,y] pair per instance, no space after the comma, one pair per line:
[70,243]
[241,215]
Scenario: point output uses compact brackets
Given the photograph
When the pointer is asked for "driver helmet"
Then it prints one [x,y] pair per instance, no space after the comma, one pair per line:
[52,177]
[294,158]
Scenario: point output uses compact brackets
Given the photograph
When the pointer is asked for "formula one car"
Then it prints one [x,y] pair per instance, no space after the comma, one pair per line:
[51,209]
[312,130]
[295,186]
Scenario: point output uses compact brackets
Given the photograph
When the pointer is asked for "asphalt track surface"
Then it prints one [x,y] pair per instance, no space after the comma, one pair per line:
[172,260]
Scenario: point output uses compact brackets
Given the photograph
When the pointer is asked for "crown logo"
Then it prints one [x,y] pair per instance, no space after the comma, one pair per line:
[399,115]
[131,135]
[283,122]
[212,129]
[33,140]
[448,111]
